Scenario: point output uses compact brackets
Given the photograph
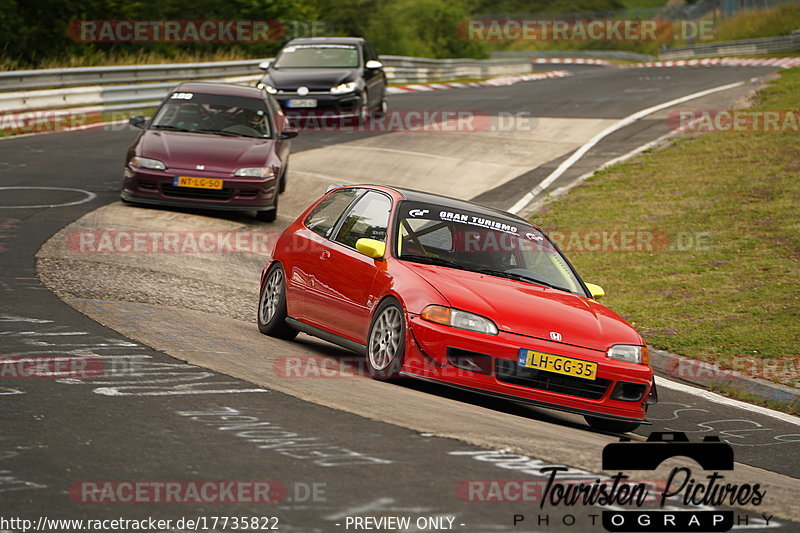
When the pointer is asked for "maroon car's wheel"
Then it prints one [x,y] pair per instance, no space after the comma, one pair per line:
[386,342]
[612,426]
[269,215]
[282,184]
[272,305]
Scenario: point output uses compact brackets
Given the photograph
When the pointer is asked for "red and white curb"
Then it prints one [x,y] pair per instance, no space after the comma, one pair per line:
[571,61]
[783,62]
[501,81]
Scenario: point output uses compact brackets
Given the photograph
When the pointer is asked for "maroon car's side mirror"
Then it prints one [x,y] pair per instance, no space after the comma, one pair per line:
[137,121]
[289,133]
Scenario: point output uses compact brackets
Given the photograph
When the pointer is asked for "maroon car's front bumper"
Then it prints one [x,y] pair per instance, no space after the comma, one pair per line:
[157,187]
[433,351]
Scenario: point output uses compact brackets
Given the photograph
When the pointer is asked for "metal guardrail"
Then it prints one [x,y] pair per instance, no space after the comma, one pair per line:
[400,69]
[132,86]
[56,78]
[766,45]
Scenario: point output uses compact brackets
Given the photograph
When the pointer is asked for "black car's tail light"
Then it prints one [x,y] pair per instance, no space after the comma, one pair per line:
[467,360]
[628,392]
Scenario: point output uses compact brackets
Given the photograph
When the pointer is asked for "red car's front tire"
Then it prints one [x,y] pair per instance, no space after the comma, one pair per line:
[612,426]
[272,305]
[386,341]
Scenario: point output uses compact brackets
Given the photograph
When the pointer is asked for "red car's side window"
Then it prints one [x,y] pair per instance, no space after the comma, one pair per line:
[322,219]
[369,219]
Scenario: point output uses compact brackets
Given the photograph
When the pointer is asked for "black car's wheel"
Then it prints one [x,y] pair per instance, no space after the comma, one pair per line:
[383,108]
[363,110]
[612,426]
[386,342]
[269,215]
[272,305]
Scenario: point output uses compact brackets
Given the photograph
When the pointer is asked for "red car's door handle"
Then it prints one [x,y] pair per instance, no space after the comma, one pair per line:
[325,255]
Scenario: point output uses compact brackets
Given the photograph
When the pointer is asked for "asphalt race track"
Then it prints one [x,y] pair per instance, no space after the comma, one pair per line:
[185,389]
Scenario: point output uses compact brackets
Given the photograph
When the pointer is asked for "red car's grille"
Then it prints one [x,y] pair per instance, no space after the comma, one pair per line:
[197,194]
[509,372]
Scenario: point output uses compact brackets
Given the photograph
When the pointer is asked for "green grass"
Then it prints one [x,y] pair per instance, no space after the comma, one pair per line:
[752,398]
[736,297]
[98,59]
[644,4]
[762,23]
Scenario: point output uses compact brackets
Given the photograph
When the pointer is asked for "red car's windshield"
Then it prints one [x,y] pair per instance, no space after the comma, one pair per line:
[481,243]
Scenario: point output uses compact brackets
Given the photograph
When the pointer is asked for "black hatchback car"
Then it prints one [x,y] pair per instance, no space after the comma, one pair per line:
[334,76]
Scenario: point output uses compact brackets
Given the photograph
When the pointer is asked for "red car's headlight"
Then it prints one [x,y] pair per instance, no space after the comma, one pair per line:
[458,319]
[629,353]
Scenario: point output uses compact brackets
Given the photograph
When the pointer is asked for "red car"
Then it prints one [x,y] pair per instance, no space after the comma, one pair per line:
[212,146]
[450,291]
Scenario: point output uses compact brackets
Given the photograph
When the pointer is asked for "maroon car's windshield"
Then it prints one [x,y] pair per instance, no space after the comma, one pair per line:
[214,114]
[492,245]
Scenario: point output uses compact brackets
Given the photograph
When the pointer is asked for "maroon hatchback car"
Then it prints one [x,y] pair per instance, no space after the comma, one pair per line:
[211,146]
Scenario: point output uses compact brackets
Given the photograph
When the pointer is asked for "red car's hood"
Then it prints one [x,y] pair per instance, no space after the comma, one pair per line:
[527,309]
[217,153]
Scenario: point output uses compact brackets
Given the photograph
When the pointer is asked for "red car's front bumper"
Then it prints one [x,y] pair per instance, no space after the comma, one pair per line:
[157,187]
[439,353]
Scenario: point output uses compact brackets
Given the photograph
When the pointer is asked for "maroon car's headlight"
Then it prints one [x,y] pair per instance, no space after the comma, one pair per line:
[457,318]
[146,162]
[630,353]
[254,172]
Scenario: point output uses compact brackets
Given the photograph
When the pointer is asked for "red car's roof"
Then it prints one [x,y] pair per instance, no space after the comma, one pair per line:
[445,202]
[228,89]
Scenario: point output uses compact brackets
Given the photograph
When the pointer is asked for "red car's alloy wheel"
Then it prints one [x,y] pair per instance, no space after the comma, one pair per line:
[386,342]
[272,306]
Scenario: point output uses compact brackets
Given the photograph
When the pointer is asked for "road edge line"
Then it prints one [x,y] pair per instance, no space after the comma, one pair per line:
[528,197]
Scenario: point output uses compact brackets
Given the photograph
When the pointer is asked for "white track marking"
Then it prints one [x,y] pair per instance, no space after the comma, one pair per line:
[115,391]
[722,400]
[531,207]
[630,119]
[419,154]
[89,197]
[323,177]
